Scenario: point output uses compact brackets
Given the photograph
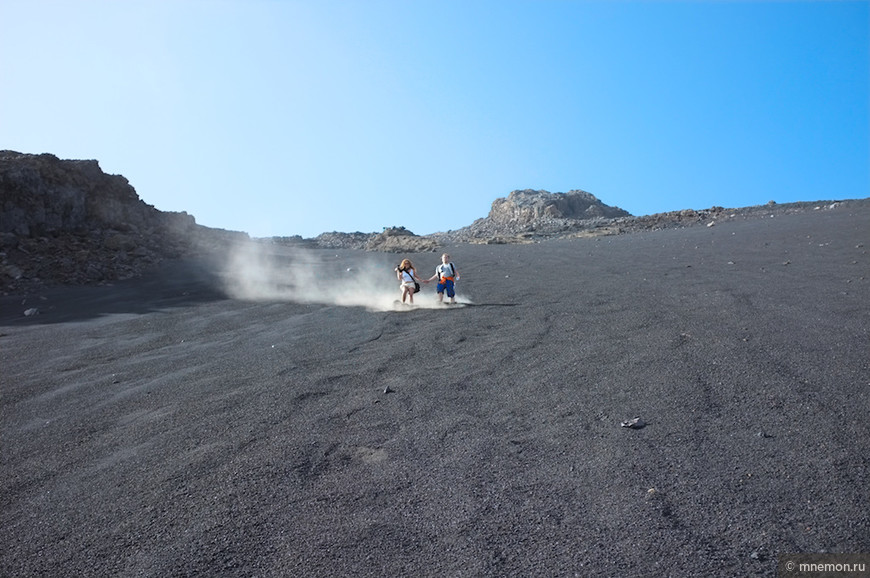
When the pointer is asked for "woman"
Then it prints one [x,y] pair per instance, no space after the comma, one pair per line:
[407,278]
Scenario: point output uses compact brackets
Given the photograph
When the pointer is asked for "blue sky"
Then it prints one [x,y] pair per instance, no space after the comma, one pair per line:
[283,117]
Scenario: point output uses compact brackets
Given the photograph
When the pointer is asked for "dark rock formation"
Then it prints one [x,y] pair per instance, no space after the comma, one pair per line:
[66,221]
[43,195]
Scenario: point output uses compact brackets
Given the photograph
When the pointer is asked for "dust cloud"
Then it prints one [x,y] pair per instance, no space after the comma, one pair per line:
[257,271]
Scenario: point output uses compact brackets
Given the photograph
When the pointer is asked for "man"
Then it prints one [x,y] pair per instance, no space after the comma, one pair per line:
[446,275]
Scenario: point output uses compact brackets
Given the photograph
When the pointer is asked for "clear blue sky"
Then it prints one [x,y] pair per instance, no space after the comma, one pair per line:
[283,117]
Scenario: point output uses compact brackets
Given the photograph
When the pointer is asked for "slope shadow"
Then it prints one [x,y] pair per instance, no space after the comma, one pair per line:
[171,284]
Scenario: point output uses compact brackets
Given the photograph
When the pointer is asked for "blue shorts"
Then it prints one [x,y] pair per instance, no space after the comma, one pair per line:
[446,284]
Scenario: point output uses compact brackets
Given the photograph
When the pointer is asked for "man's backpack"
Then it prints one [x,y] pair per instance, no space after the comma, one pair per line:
[452,270]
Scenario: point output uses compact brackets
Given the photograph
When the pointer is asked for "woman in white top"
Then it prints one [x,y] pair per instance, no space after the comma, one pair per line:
[408,279]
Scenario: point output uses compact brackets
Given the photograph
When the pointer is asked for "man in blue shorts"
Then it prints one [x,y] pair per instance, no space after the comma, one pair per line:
[446,275]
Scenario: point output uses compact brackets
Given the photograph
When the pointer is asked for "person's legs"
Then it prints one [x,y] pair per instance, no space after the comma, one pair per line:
[440,289]
[451,292]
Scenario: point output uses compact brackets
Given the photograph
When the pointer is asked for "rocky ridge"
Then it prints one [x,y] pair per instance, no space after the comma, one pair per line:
[68,222]
[523,216]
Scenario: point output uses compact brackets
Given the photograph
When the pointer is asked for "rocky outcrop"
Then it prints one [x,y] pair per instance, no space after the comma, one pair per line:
[336,240]
[66,221]
[528,216]
[400,240]
[391,240]
[528,207]
[43,195]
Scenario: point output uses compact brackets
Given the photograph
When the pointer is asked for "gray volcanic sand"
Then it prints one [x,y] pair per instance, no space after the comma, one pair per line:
[170,426]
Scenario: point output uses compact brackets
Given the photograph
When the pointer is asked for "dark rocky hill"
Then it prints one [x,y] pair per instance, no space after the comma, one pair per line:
[68,222]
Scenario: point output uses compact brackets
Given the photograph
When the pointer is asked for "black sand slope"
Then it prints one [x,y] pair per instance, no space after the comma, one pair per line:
[162,428]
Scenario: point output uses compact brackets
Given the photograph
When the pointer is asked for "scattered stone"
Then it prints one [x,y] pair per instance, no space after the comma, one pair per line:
[31,312]
[13,272]
[634,423]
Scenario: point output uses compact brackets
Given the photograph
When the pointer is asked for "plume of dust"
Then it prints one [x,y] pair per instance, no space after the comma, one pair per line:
[263,272]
